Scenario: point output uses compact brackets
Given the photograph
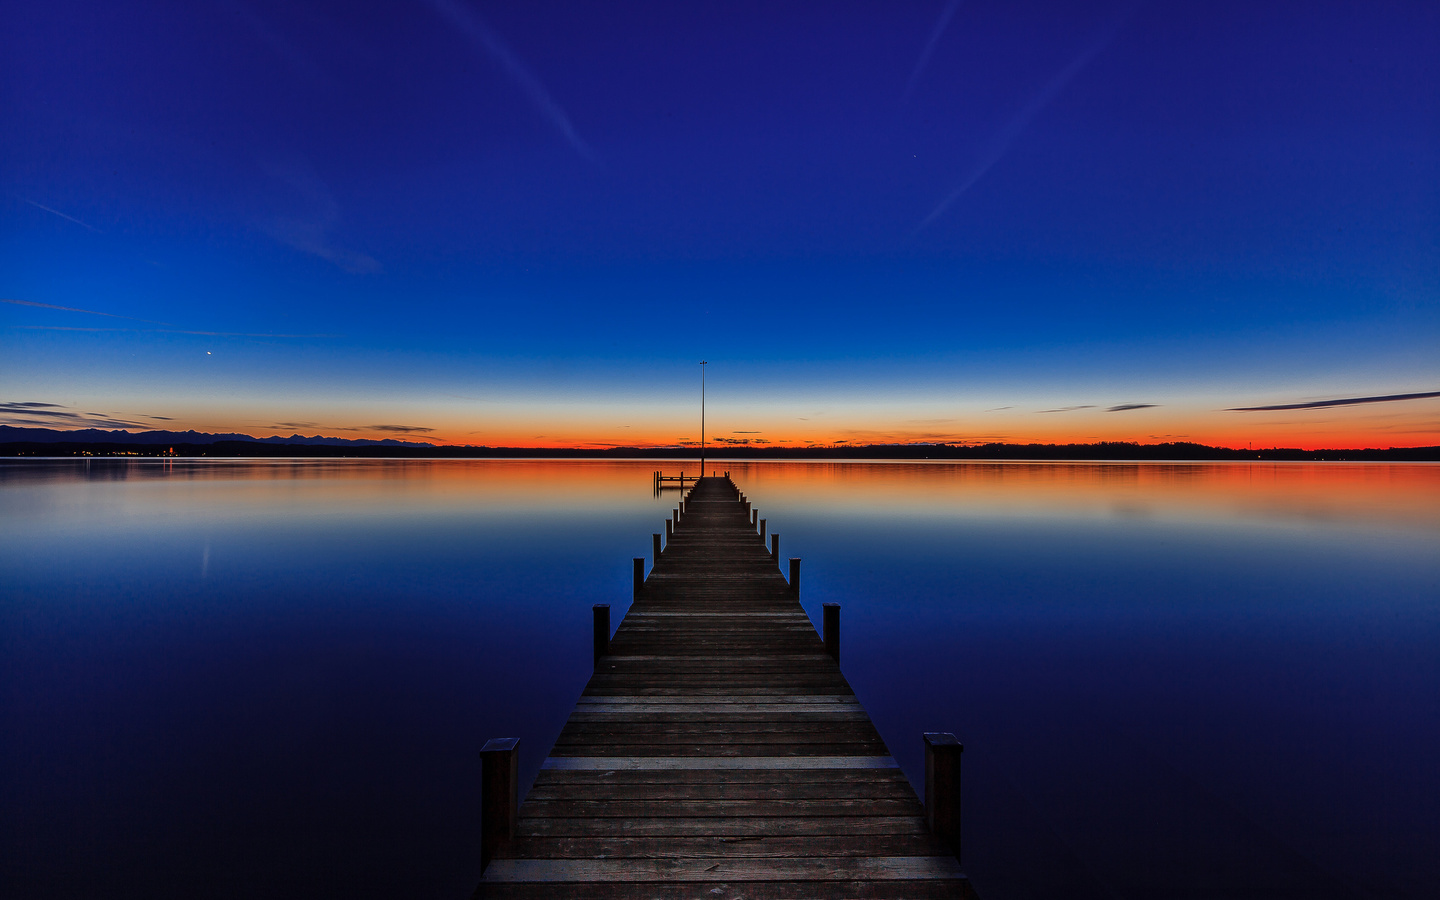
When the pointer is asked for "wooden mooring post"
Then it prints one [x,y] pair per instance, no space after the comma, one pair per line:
[602,631]
[499,795]
[942,788]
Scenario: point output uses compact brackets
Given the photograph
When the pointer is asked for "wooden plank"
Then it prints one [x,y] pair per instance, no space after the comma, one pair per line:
[673,847]
[632,763]
[843,868]
[703,890]
[815,827]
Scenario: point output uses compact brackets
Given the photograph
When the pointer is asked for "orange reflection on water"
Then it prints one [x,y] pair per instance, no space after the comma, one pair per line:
[1405,495]
[1398,495]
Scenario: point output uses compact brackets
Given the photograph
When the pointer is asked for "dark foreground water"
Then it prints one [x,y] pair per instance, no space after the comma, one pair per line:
[271,678]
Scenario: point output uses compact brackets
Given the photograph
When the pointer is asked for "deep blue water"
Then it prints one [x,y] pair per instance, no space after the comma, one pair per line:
[271,678]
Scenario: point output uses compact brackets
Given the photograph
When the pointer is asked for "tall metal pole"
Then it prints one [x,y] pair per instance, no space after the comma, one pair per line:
[702,418]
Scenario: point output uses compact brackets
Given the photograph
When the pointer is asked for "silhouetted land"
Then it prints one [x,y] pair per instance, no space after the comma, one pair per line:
[1098,451]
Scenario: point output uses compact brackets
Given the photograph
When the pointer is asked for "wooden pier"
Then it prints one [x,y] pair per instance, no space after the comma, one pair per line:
[717,752]
[663,482]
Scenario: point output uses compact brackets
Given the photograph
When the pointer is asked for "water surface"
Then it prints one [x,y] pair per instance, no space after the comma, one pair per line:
[241,678]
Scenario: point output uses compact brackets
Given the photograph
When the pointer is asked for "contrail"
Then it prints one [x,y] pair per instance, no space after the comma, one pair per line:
[56,212]
[475,28]
[250,334]
[73,309]
[1022,120]
[941,24]
[1349,401]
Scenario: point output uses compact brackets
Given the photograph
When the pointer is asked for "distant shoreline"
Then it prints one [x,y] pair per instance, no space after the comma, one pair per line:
[1113,451]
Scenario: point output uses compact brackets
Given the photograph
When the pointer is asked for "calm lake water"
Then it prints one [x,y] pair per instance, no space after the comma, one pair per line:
[271,678]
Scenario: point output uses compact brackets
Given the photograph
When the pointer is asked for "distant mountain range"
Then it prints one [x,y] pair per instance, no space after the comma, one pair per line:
[17,441]
[11,433]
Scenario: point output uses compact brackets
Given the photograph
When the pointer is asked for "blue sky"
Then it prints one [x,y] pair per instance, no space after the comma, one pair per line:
[527,222]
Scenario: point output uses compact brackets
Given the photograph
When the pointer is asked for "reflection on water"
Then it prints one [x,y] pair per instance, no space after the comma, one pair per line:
[271,677]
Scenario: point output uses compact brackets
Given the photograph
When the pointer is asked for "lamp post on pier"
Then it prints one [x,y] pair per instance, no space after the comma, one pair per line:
[702,417]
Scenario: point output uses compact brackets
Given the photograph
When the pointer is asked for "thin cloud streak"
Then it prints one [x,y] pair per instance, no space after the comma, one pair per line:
[401,429]
[172,331]
[74,309]
[310,225]
[51,415]
[1007,135]
[56,212]
[1067,408]
[941,24]
[1124,407]
[1349,401]
[468,21]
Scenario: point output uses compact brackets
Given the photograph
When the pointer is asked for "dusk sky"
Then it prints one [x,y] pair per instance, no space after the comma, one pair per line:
[525,224]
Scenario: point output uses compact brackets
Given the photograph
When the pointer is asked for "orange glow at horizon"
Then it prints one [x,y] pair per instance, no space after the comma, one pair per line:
[825,422]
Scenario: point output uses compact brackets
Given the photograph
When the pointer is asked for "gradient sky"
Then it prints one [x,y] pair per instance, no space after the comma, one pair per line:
[526,223]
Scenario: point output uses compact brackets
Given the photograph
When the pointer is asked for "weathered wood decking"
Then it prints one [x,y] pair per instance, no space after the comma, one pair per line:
[718,752]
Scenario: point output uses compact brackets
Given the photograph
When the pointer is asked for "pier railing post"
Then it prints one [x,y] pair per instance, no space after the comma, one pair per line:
[775,548]
[942,788]
[762,531]
[669,525]
[655,539]
[639,575]
[795,574]
[602,632]
[831,629]
[499,795]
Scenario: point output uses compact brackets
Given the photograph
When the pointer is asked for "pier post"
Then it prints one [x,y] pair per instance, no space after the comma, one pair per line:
[499,795]
[639,575]
[668,530]
[655,539]
[942,788]
[795,574]
[775,548]
[602,631]
[762,531]
[754,514]
[831,625]
[675,515]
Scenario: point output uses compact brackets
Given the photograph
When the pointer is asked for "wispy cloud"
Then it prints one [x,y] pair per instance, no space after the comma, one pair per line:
[1067,408]
[400,429]
[941,24]
[90,312]
[248,334]
[1124,407]
[464,17]
[1348,401]
[310,226]
[1006,136]
[55,415]
[56,212]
